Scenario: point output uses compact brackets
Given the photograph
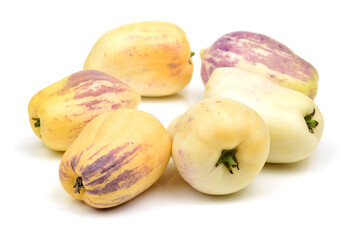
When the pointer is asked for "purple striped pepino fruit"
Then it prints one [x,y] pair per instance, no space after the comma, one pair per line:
[117,156]
[59,112]
[262,55]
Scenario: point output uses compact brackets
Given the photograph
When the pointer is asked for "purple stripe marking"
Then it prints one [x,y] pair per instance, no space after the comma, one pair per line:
[91,105]
[89,75]
[120,199]
[83,80]
[93,168]
[75,160]
[99,91]
[116,165]
[97,152]
[127,178]
[115,106]
[173,65]
[114,202]
[278,58]
[62,175]
[113,185]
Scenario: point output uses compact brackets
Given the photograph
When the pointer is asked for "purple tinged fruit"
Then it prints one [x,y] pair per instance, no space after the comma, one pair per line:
[93,83]
[101,162]
[115,165]
[91,105]
[115,106]
[173,65]
[100,90]
[89,75]
[95,92]
[252,50]
[113,202]
[125,179]
[101,170]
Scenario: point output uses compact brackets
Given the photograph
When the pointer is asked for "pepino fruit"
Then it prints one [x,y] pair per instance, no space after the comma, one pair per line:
[117,156]
[262,55]
[59,112]
[219,145]
[294,120]
[152,57]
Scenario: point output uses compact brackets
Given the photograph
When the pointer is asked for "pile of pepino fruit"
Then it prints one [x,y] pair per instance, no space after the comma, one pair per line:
[258,107]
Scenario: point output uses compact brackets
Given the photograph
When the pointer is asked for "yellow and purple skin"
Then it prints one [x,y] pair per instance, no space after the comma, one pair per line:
[153,57]
[262,55]
[117,156]
[58,113]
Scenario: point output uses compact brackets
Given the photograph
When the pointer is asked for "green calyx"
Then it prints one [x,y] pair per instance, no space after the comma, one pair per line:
[37,123]
[78,185]
[191,54]
[228,158]
[310,122]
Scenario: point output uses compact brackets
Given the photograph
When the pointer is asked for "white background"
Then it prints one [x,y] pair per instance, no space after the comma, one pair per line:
[318,198]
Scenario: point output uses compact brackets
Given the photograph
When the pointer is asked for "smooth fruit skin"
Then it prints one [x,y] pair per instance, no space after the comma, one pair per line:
[66,106]
[153,57]
[206,129]
[118,155]
[263,55]
[282,109]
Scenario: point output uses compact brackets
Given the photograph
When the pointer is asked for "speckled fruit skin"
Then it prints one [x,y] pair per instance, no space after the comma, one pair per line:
[118,155]
[153,57]
[262,55]
[66,106]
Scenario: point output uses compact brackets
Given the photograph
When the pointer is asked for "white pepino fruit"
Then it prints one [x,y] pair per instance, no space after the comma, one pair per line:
[294,120]
[219,145]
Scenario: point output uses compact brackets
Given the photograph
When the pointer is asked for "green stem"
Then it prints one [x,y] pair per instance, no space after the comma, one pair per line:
[311,124]
[37,123]
[191,54]
[228,158]
[78,185]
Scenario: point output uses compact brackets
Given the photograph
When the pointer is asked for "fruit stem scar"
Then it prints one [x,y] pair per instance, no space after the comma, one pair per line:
[78,185]
[228,158]
[191,54]
[37,123]
[311,123]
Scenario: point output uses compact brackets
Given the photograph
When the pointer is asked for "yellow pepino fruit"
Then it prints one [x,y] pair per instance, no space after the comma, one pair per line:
[116,157]
[152,57]
[59,112]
